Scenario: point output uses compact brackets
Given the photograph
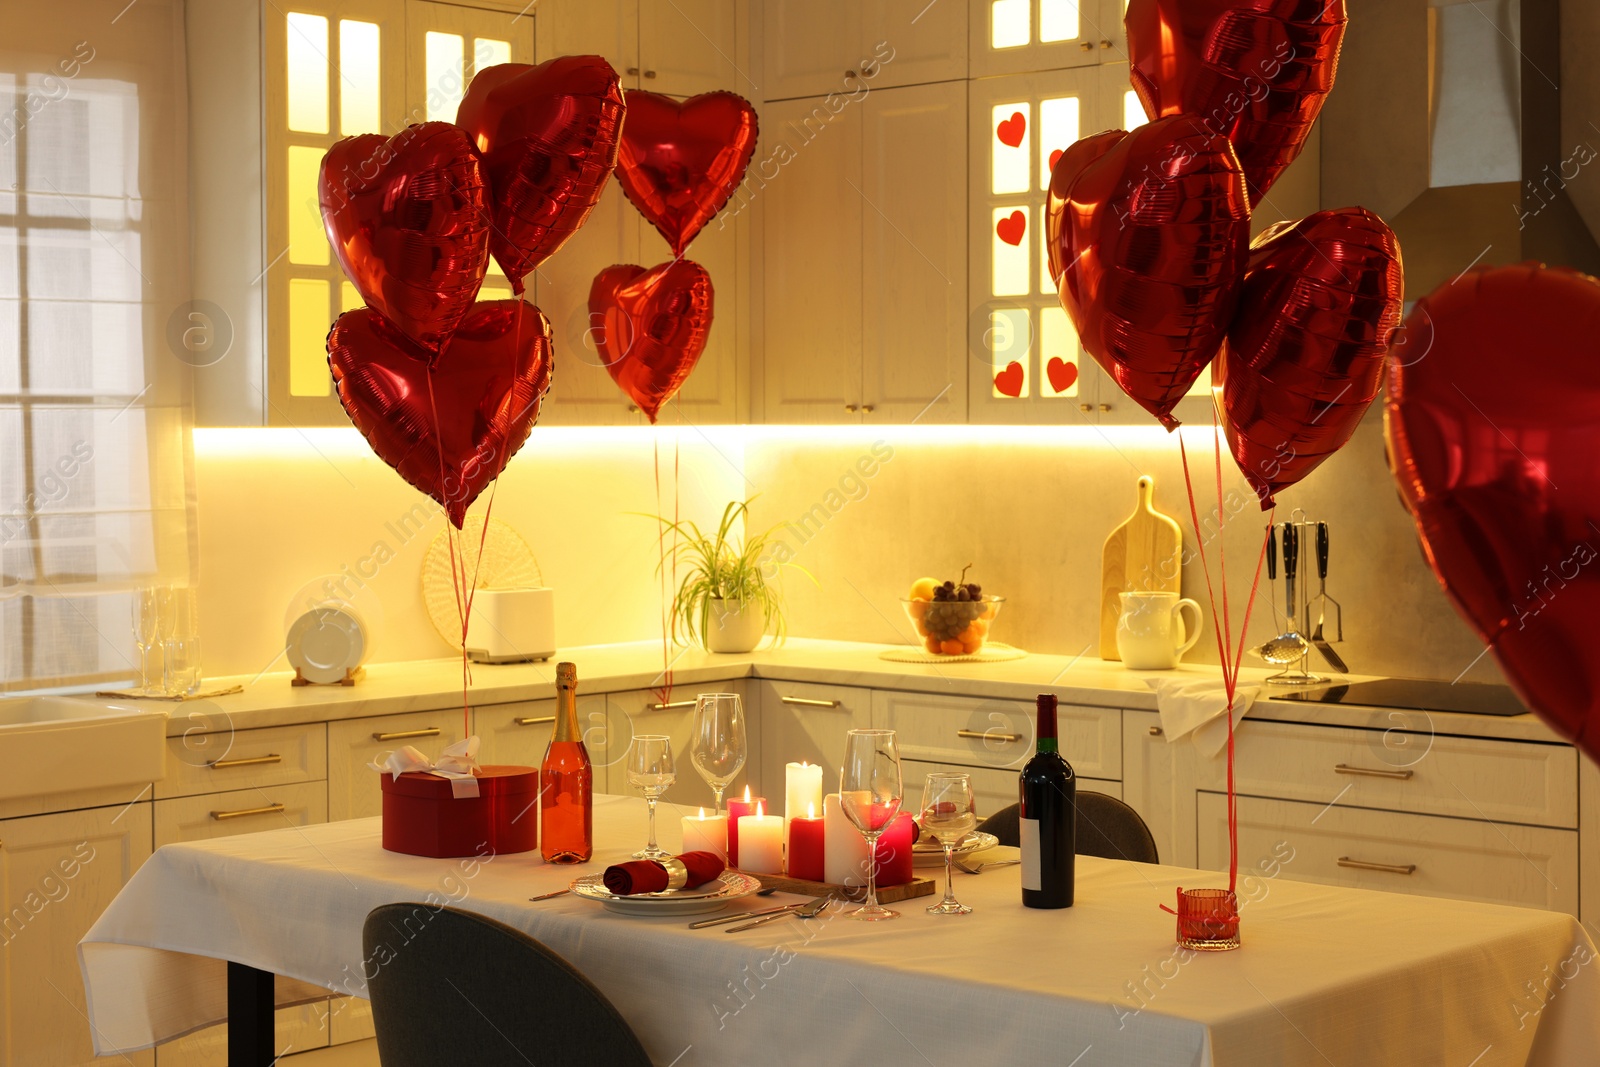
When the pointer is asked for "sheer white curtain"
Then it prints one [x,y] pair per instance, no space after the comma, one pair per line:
[96,478]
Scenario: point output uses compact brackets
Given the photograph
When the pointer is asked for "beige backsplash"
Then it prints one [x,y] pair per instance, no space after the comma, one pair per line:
[874,509]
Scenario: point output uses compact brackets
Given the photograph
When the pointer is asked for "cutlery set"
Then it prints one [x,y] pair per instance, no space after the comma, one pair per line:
[1302,542]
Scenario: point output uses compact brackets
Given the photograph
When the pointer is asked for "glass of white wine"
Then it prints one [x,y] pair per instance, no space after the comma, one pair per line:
[947,814]
[650,767]
[718,747]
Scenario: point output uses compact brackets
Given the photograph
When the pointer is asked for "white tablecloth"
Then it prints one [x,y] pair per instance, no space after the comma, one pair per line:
[1326,975]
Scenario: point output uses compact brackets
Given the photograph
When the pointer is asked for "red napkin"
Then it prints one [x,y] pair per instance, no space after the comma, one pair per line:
[648,876]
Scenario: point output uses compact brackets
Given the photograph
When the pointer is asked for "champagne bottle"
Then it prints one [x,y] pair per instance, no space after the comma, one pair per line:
[1047,818]
[566,781]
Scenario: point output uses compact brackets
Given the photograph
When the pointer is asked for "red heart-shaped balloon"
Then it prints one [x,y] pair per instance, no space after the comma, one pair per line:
[548,137]
[1255,71]
[408,218]
[1147,234]
[1061,373]
[651,327]
[451,428]
[1305,354]
[680,162]
[1010,380]
[1493,426]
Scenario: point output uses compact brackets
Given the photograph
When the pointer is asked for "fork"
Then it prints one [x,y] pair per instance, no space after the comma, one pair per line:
[980,868]
[805,911]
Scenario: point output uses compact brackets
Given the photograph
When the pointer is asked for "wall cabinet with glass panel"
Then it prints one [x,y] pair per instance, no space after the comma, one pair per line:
[1015,36]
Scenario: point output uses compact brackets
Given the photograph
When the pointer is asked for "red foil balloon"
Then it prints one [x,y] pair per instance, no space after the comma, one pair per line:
[651,327]
[408,218]
[1147,234]
[1320,305]
[680,162]
[548,136]
[1493,427]
[483,395]
[1255,71]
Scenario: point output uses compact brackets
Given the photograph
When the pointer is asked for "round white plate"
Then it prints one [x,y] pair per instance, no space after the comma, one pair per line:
[325,643]
[929,853]
[713,896]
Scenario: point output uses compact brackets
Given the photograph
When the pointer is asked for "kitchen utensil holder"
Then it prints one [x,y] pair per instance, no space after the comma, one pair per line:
[351,677]
[1299,672]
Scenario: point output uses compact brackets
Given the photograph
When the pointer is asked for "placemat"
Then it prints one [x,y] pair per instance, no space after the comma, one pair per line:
[993,652]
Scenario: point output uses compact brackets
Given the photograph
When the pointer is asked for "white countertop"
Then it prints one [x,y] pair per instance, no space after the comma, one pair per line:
[431,685]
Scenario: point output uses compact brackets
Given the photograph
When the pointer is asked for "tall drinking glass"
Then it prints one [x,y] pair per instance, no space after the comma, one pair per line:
[650,767]
[717,746]
[869,793]
[948,814]
[145,631]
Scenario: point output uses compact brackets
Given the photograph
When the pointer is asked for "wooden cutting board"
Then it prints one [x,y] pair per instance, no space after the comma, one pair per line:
[1144,554]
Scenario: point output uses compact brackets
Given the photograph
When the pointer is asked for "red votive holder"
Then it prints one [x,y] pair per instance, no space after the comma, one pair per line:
[737,809]
[806,848]
[893,854]
[1208,920]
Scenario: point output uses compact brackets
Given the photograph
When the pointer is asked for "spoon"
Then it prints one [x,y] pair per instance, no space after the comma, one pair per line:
[805,911]
[1288,647]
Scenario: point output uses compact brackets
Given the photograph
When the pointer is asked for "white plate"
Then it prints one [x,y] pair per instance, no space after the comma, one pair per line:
[713,896]
[326,643]
[927,852]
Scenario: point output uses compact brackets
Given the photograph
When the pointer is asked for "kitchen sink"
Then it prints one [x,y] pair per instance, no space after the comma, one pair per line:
[58,744]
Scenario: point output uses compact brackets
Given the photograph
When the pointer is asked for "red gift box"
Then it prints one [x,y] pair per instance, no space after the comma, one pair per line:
[423,817]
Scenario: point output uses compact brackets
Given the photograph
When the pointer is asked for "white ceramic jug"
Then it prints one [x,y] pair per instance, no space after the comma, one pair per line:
[1151,635]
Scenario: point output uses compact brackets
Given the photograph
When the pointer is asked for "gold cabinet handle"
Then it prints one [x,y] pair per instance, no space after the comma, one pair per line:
[1087,46]
[270,809]
[401,735]
[649,74]
[669,707]
[1086,408]
[866,409]
[1105,44]
[990,735]
[850,74]
[1369,772]
[850,407]
[245,761]
[633,71]
[1155,731]
[540,721]
[806,702]
[1387,868]
[1105,407]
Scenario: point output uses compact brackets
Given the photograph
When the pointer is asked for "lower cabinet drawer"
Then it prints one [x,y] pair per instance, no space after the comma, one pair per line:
[1428,855]
[974,732]
[242,811]
[200,762]
[994,789]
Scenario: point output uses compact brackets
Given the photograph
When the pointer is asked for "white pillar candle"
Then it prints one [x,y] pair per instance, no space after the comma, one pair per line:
[761,843]
[844,849]
[802,789]
[706,833]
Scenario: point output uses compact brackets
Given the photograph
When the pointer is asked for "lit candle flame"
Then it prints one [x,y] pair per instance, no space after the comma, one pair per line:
[702,813]
[747,792]
[759,812]
[811,811]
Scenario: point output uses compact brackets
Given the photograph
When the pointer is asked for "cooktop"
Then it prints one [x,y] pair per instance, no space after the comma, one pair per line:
[1469,697]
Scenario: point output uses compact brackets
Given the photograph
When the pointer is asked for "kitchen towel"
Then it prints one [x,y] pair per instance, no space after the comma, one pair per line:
[1198,708]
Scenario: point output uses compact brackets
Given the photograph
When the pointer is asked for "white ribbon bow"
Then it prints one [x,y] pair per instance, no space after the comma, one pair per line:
[456,762]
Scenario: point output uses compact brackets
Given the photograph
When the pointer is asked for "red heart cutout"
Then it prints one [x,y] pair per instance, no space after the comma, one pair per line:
[1148,235]
[1256,73]
[486,389]
[1010,130]
[1305,354]
[408,219]
[651,327]
[680,162]
[548,138]
[1061,373]
[1012,227]
[1055,157]
[1495,458]
[1009,381]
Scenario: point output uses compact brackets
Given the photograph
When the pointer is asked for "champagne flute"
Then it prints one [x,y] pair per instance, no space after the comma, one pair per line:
[650,767]
[869,793]
[718,744]
[947,814]
[145,613]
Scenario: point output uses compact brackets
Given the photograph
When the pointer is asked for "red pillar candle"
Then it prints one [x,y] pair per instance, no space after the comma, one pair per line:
[806,851]
[893,854]
[736,810]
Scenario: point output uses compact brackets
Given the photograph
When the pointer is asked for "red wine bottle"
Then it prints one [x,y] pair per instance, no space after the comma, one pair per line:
[566,781]
[1047,818]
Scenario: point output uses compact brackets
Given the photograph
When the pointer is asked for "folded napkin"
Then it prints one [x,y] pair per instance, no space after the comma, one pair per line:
[1198,707]
[652,876]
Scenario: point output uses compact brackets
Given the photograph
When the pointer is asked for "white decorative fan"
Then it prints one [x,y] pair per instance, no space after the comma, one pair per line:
[506,562]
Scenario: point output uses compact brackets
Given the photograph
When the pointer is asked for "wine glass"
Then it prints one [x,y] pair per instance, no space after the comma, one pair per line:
[718,743]
[145,614]
[947,814]
[650,767]
[869,793]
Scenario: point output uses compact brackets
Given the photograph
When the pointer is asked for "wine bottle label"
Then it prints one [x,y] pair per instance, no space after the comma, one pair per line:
[1031,876]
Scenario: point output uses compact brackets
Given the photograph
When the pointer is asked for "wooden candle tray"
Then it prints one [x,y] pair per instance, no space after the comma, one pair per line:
[887,894]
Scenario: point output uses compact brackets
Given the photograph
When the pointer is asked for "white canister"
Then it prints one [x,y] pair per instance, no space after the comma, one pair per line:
[1151,635]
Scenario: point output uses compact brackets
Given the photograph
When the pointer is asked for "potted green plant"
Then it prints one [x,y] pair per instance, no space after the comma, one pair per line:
[728,596]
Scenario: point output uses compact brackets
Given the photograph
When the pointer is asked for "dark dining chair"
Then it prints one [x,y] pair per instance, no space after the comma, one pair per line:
[449,986]
[1106,827]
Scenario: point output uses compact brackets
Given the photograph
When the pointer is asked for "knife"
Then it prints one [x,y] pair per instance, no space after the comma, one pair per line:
[719,920]
[809,910]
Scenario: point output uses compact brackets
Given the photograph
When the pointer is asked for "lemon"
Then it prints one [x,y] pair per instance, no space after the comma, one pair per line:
[922,588]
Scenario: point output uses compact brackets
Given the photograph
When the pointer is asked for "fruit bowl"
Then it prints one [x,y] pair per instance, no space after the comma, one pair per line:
[953,627]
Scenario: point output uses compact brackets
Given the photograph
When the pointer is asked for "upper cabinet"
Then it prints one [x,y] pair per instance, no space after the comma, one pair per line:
[1014,36]
[809,49]
[677,47]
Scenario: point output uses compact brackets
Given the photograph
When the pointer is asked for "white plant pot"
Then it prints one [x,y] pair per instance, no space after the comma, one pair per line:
[732,627]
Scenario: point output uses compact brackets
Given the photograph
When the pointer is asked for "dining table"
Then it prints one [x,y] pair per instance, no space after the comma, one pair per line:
[220,930]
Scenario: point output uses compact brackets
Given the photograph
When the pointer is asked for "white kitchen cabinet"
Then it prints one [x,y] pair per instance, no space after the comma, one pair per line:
[999,734]
[681,48]
[803,722]
[227,759]
[1014,36]
[516,733]
[57,874]
[809,49]
[992,789]
[354,791]
[1158,781]
[863,264]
